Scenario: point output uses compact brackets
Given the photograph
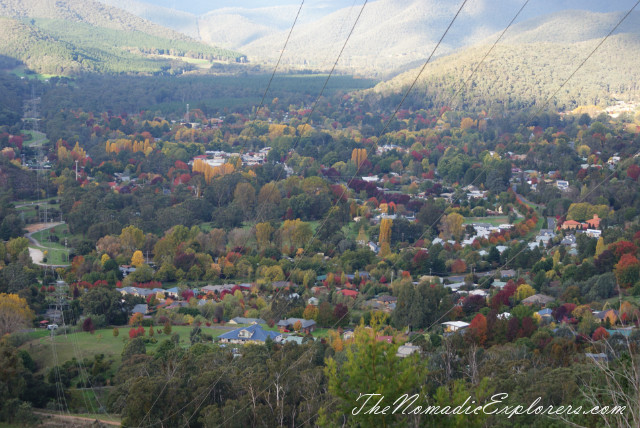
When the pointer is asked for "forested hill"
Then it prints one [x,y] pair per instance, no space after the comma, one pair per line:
[85,11]
[531,63]
[66,37]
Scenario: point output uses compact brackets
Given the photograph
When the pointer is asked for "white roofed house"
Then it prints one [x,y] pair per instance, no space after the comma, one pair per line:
[453,326]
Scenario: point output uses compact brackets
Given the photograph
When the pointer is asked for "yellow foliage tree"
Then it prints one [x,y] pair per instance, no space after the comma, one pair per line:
[600,247]
[136,319]
[523,291]
[451,226]
[105,258]
[336,340]
[14,313]
[467,123]
[263,235]
[385,249]
[310,312]
[385,231]
[358,156]
[137,259]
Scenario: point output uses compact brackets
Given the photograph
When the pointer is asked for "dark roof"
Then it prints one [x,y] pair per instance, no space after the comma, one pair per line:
[242,320]
[291,321]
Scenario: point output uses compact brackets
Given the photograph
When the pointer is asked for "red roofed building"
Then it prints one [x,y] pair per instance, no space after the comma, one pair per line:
[388,339]
[349,293]
[594,223]
[571,225]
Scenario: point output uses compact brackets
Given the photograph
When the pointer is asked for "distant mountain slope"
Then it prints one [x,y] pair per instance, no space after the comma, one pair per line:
[394,33]
[533,61]
[177,20]
[71,36]
[86,11]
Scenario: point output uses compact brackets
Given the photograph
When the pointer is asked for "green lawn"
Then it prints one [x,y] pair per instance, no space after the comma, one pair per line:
[494,221]
[55,256]
[37,138]
[321,332]
[83,344]
[61,232]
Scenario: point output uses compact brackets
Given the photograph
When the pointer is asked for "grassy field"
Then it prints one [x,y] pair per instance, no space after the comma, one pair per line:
[30,213]
[83,344]
[61,232]
[55,256]
[37,138]
[198,63]
[494,221]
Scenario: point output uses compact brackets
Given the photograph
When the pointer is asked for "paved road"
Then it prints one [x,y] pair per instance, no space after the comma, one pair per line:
[551,223]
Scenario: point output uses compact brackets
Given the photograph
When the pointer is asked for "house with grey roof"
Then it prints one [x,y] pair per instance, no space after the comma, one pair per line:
[242,320]
[306,326]
[251,334]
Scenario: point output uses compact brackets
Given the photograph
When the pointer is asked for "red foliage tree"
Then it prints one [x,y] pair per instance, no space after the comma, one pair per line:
[458,266]
[633,172]
[478,329]
[600,333]
[621,248]
[87,325]
[627,270]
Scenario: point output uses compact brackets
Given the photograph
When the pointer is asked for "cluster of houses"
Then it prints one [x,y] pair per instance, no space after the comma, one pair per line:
[217,158]
[252,331]
[590,227]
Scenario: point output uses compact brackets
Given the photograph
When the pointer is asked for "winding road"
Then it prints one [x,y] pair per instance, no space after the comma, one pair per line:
[36,253]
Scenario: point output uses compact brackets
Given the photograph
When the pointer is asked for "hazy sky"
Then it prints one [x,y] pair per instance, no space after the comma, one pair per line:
[322,7]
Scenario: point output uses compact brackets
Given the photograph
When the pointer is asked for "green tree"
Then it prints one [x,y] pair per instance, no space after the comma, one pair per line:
[134,347]
[372,367]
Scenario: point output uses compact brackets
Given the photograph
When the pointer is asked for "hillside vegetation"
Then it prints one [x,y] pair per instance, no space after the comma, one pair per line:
[71,37]
[522,72]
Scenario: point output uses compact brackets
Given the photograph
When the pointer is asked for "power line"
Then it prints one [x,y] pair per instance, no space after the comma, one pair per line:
[279,58]
[298,139]
[324,222]
[406,94]
[306,122]
[544,105]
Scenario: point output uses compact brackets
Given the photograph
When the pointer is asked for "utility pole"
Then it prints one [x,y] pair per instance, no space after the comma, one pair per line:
[76,170]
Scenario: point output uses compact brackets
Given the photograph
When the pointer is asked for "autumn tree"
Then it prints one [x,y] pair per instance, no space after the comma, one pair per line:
[310,312]
[627,270]
[600,247]
[137,259]
[458,266]
[523,291]
[104,259]
[600,333]
[385,231]
[263,235]
[358,156]
[478,329]
[451,226]
[131,239]
[87,325]
[295,233]
[136,319]
[269,200]
[14,313]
